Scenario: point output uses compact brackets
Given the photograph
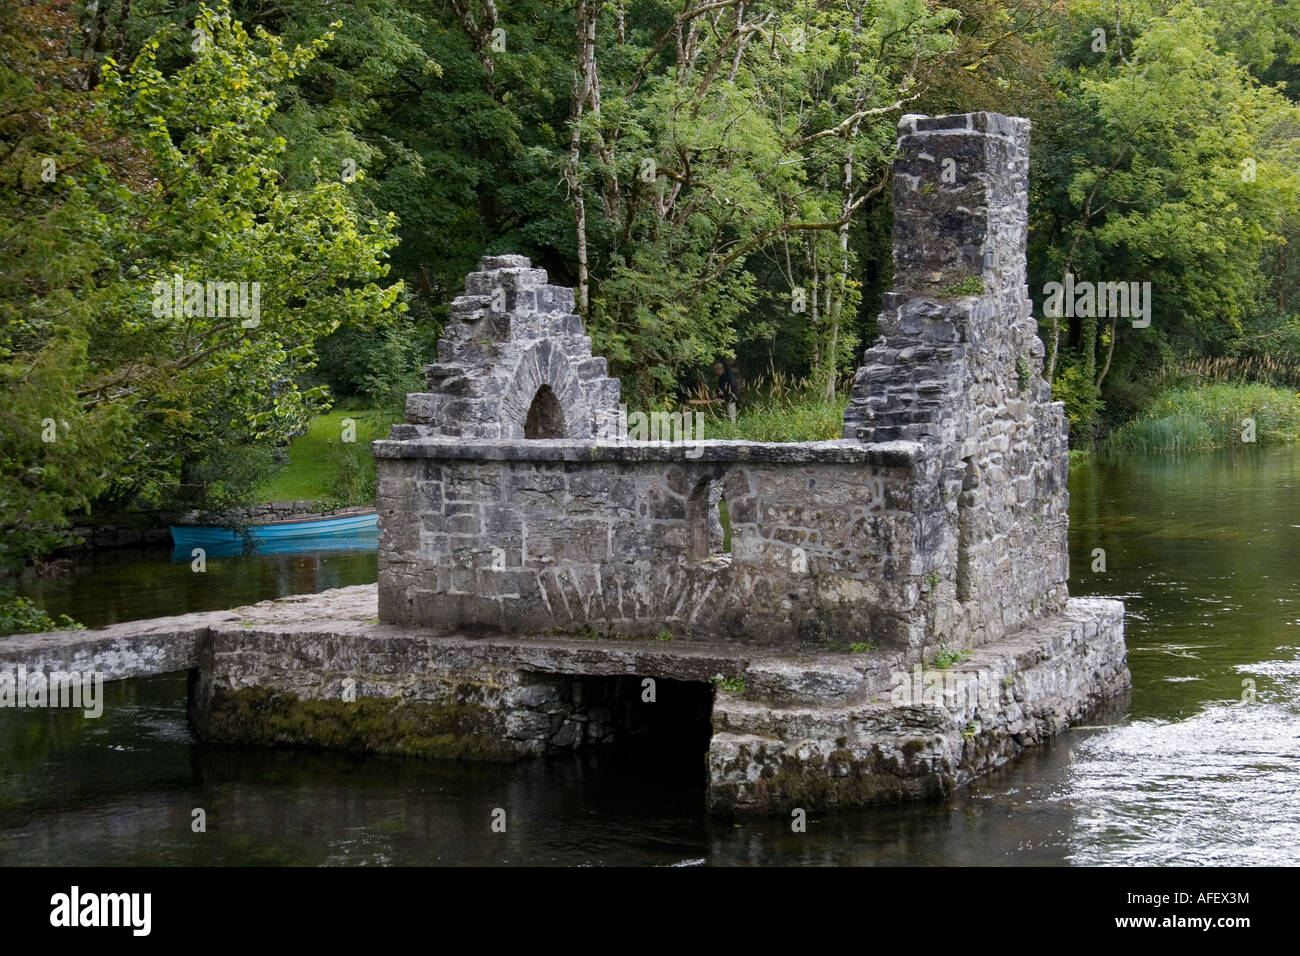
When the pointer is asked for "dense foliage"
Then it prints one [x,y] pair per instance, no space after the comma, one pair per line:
[710,175]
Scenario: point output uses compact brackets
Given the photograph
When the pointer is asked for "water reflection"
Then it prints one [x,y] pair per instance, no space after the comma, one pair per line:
[119,587]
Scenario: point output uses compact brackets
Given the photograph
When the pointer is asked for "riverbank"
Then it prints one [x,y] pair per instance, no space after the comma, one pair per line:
[1212,415]
[330,463]
[329,471]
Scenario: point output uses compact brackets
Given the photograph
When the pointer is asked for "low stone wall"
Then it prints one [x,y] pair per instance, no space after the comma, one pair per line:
[831,543]
[777,730]
[579,537]
[150,531]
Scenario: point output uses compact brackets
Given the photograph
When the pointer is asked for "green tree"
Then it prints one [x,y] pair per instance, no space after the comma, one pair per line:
[1167,162]
[175,174]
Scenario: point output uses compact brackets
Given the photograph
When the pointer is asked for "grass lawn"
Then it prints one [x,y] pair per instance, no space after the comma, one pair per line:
[313,457]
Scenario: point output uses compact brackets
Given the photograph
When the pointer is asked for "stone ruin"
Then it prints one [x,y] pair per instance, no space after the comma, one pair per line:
[513,509]
[514,364]
[940,518]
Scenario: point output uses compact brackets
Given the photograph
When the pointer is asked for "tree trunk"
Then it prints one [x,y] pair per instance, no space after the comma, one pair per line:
[584,89]
[1110,351]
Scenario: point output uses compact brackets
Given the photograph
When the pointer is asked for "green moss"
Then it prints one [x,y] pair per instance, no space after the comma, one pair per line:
[862,647]
[261,716]
[947,656]
[971,285]
[587,633]
[843,778]
[1022,373]
[734,685]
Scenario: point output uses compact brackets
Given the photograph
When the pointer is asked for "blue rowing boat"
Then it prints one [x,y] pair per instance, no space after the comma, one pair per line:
[274,532]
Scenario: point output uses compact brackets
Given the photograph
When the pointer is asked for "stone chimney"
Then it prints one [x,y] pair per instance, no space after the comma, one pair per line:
[958,367]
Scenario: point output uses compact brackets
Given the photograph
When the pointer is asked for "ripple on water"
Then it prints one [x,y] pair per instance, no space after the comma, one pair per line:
[1220,787]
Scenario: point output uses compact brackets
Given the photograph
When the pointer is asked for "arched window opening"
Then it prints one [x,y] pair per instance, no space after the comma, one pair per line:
[545,416]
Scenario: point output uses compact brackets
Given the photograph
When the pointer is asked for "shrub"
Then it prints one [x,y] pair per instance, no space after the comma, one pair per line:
[354,475]
[18,615]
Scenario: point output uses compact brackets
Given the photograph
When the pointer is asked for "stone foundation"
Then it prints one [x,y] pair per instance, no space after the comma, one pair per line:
[773,730]
[911,742]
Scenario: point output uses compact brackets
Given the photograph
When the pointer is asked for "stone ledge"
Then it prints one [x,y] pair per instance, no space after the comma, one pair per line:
[893,454]
[810,729]
[120,652]
[1038,682]
[162,645]
[983,123]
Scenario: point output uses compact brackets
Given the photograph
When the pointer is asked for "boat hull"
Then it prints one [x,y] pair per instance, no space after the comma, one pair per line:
[206,536]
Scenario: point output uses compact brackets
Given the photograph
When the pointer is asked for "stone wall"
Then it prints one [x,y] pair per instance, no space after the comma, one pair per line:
[958,540]
[613,540]
[958,367]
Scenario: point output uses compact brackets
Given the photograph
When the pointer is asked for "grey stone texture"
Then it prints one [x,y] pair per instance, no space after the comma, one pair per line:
[823,551]
[509,335]
[963,373]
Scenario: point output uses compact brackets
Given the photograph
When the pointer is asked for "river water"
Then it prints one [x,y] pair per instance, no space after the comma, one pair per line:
[1200,765]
